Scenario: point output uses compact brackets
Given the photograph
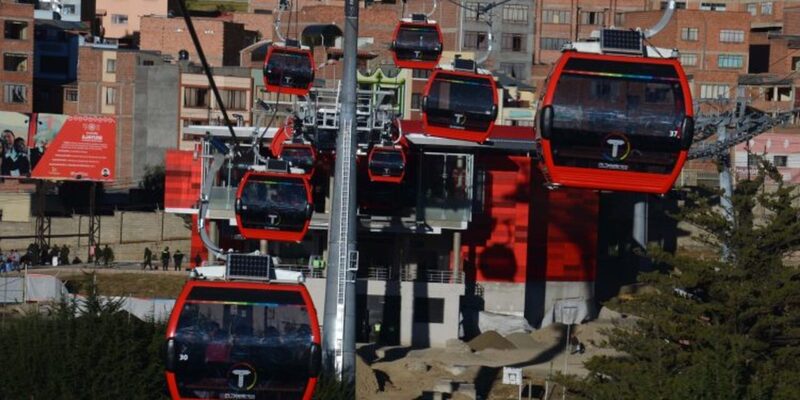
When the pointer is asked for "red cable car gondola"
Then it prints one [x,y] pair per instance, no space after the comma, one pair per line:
[300,155]
[615,122]
[289,69]
[417,43]
[460,104]
[274,206]
[386,164]
[248,340]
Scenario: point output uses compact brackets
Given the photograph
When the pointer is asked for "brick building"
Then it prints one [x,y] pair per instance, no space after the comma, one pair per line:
[106,83]
[16,77]
[122,18]
[221,40]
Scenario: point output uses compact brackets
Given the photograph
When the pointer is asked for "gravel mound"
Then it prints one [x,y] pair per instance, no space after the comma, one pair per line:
[523,341]
[490,340]
[366,383]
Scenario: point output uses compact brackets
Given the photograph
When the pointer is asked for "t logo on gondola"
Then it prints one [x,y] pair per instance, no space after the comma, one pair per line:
[242,376]
[273,219]
[459,119]
[619,149]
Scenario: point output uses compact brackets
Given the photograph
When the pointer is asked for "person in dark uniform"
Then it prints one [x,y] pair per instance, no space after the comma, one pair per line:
[178,259]
[148,259]
[165,259]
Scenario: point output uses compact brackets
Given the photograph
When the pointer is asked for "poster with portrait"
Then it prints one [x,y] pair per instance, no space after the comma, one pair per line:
[57,147]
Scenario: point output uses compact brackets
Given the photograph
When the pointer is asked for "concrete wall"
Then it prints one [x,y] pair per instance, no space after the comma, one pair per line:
[127,233]
[411,334]
[155,120]
[15,207]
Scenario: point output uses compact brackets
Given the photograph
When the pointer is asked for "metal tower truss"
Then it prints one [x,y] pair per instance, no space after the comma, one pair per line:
[745,123]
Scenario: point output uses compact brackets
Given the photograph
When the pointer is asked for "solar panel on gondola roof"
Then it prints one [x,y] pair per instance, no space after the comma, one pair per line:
[621,41]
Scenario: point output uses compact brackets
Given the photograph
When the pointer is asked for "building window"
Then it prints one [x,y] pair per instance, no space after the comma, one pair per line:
[780,93]
[555,17]
[235,99]
[515,14]
[752,8]
[795,63]
[13,62]
[421,74]
[416,101]
[619,19]
[780,161]
[766,8]
[473,12]
[195,97]
[111,65]
[688,59]
[68,9]
[475,40]
[713,6]
[730,61]
[148,63]
[111,96]
[428,310]
[731,36]
[593,18]
[712,91]
[679,5]
[514,70]
[513,42]
[71,95]
[17,30]
[15,94]
[689,34]
[119,19]
[553,43]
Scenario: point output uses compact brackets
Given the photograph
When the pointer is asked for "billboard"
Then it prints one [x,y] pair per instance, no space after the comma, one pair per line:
[57,147]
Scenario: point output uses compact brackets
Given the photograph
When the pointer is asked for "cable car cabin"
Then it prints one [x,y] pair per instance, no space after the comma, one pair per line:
[289,70]
[386,164]
[242,340]
[417,43]
[615,122]
[460,105]
[274,206]
[300,155]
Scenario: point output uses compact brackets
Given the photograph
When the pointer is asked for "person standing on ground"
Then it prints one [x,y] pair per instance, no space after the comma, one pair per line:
[148,259]
[178,259]
[165,259]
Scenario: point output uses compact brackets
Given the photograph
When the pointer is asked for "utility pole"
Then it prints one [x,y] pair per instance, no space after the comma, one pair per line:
[339,323]
[725,181]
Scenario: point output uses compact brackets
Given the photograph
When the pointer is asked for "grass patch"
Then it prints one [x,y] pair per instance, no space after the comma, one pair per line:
[230,6]
[129,284]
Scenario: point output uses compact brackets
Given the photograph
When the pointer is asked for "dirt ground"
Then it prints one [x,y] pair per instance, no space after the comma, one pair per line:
[400,373]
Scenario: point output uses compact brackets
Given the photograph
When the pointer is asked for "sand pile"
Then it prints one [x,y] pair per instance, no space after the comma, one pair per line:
[366,383]
[523,341]
[490,340]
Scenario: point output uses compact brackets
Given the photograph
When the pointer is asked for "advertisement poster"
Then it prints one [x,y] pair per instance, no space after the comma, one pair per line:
[57,147]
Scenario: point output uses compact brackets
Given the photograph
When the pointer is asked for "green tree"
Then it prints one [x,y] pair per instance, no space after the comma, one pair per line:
[722,328]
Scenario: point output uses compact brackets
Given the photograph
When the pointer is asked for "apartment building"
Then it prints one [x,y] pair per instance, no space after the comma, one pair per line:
[221,40]
[16,45]
[123,18]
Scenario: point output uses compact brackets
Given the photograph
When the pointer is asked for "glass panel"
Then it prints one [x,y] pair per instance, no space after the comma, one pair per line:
[299,157]
[252,344]
[274,204]
[447,187]
[461,102]
[386,162]
[623,116]
[289,69]
[418,43]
